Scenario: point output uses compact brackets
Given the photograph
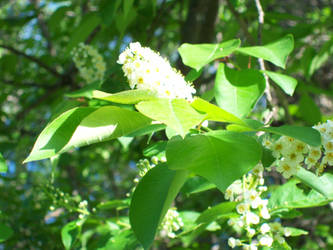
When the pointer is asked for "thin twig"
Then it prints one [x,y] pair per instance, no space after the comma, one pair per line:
[32,58]
[261,20]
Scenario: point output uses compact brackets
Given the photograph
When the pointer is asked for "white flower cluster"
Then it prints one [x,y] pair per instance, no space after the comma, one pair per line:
[253,212]
[89,63]
[146,69]
[171,223]
[291,154]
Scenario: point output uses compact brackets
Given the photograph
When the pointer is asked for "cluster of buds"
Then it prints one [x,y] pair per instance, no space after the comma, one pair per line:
[171,223]
[291,154]
[146,69]
[253,212]
[89,63]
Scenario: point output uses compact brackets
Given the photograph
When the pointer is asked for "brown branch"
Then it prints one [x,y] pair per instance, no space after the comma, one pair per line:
[32,58]
[22,84]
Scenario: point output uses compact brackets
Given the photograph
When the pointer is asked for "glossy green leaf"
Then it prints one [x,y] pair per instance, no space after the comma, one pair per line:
[83,126]
[220,156]
[214,113]
[177,113]
[276,52]
[198,55]
[70,233]
[5,232]
[193,75]
[237,91]
[286,83]
[197,184]
[152,199]
[125,97]
[305,134]
[3,164]
[223,209]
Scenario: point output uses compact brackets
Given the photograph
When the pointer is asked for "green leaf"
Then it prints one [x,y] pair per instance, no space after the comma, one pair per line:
[152,199]
[238,91]
[193,75]
[289,195]
[305,134]
[215,113]
[156,149]
[83,30]
[296,231]
[83,126]
[198,55]
[5,232]
[125,97]
[123,240]
[223,209]
[309,110]
[114,204]
[320,58]
[3,165]
[196,184]
[276,52]
[286,83]
[86,91]
[322,185]
[70,233]
[220,156]
[177,113]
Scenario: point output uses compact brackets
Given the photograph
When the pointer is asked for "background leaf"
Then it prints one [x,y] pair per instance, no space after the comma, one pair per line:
[5,232]
[286,83]
[70,233]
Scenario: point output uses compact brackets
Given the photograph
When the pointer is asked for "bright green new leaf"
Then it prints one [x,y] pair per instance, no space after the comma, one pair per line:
[3,165]
[223,209]
[305,134]
[177,113]
[69,234]
[220,156]
[193,75]
[114,204]
[309,110]
[198,55]
[5,232]
[294,232]
[152,199]
[215,113]
[237,91]
[287,83]
[83,126]
[196,184]
[86,91]
[276,52]
[125,97]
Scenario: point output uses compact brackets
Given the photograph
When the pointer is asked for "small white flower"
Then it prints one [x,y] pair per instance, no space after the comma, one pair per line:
[264,213]
[266,240]
[287,168]
[251,218]
[232,242]
[250,232]
[265,228]
[286,232]
[242,208]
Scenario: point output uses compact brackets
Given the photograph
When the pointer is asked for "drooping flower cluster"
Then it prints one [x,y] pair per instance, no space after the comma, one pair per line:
[291,154]
[253,212]
[89,63]
[146,69]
